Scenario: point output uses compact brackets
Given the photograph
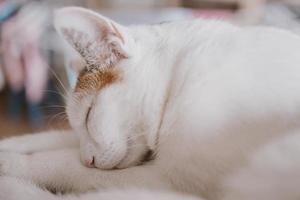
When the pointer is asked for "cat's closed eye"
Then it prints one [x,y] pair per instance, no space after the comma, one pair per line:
[87,116]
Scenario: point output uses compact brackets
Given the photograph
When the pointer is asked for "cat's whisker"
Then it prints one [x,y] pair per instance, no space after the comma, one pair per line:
[55,92]
[53,106]
[75,100]
[59,81]
[58,115]
[53,117]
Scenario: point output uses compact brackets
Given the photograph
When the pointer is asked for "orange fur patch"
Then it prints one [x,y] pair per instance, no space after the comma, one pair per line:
[96,79]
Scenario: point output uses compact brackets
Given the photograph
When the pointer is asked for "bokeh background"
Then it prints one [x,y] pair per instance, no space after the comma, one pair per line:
[34,68]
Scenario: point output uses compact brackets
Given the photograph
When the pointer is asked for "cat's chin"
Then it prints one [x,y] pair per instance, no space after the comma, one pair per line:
[133,157]
[123,164]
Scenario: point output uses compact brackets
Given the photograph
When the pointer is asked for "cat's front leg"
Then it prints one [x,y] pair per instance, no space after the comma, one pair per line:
[40,167]
[62,170]
[16,189]
[44,141]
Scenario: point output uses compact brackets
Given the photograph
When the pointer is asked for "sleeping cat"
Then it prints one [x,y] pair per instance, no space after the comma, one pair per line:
[201,108]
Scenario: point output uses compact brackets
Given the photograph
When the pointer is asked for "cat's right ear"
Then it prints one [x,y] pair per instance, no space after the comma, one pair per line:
[101,42]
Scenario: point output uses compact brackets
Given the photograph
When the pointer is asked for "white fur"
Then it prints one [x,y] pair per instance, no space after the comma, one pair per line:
[218,104]
[28,190]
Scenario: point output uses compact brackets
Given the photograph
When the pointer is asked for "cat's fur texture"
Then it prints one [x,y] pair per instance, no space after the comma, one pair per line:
[218,105]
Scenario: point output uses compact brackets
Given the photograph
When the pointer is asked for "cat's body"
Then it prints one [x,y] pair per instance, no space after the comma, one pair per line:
[217,104]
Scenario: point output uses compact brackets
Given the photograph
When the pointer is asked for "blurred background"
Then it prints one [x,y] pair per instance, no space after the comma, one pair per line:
[34,72]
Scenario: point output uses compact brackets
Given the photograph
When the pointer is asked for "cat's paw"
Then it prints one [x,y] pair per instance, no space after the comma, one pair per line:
[12,164]
[16,189]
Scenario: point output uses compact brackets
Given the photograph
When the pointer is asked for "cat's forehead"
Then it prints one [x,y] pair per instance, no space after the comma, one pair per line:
[93,80]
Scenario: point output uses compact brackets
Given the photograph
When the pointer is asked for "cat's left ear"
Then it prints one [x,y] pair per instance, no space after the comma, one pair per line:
[100,41]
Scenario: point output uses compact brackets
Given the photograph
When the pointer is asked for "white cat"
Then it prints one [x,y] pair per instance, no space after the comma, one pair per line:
[203,108]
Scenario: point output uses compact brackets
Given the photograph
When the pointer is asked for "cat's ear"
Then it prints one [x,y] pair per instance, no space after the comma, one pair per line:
[100,41]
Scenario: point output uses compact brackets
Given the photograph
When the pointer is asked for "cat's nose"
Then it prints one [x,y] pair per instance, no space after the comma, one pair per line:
[90,163]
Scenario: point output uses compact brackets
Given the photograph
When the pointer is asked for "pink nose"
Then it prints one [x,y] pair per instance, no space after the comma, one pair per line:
[90,163]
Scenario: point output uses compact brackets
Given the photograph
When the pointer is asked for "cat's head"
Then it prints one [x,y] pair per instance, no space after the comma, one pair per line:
[104,108]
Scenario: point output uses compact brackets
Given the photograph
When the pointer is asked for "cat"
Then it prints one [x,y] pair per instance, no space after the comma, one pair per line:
[202,108]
